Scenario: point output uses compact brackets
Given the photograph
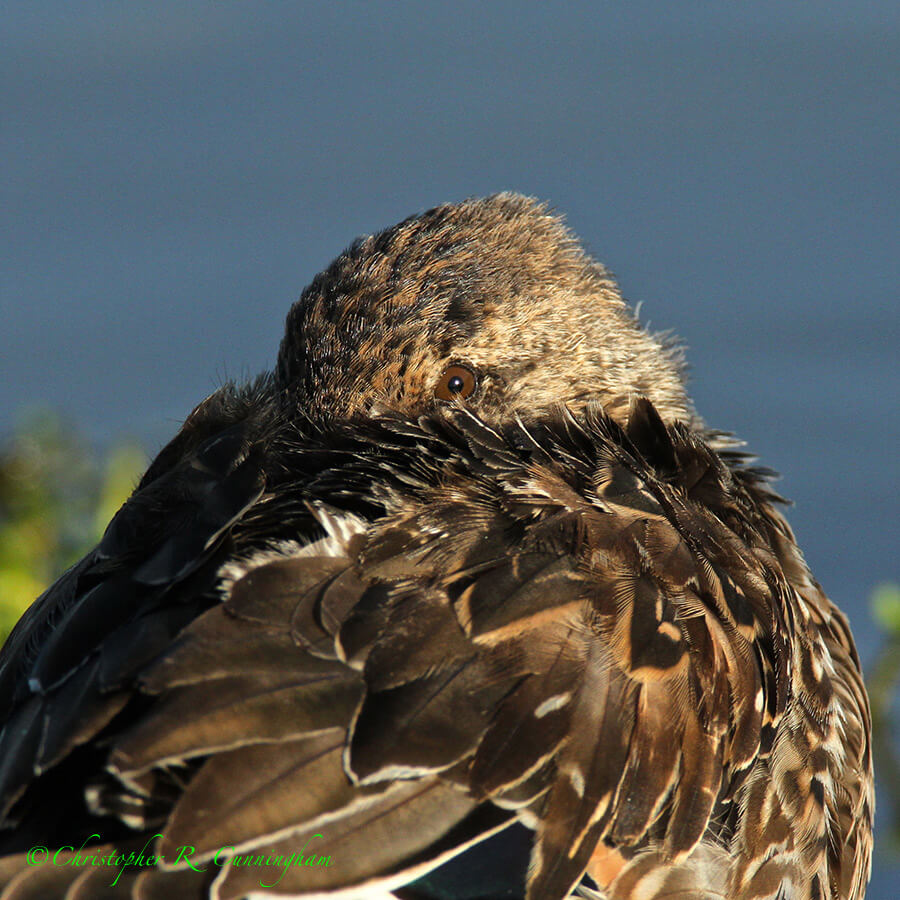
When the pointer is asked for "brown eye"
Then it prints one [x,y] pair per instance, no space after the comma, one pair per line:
[457,381]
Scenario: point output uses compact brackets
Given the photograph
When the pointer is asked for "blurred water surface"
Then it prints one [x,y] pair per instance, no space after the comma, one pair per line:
[175,173]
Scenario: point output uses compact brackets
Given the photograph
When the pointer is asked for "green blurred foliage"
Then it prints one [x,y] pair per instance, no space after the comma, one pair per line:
[56,497]
[882,682]
[886,608]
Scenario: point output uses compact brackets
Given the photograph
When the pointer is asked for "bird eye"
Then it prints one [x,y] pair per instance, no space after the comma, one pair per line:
[457,381]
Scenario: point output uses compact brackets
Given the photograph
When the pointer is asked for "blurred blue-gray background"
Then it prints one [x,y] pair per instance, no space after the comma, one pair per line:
[174,173]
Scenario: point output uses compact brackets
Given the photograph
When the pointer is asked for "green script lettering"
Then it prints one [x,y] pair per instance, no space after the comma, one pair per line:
[61,849]
[185,853]
[224,862]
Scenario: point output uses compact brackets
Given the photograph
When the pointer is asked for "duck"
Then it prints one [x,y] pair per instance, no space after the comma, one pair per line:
[462,601]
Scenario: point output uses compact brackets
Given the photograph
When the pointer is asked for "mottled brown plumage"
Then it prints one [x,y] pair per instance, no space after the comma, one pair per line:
[552,637]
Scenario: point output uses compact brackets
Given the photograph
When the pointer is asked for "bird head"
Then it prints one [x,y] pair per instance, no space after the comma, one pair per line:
[489,302]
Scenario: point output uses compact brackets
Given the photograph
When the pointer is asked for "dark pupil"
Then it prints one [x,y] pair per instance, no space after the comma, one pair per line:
[455,384]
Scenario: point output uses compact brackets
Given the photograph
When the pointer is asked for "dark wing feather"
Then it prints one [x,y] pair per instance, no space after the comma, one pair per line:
[266,789]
